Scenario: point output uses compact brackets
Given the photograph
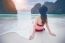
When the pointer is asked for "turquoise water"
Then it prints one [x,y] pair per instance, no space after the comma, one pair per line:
[51,15]
[14,16]
[8,16]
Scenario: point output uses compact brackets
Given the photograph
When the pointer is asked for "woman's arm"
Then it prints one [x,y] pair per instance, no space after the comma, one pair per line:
[49,29]
[34,26]
[32,36]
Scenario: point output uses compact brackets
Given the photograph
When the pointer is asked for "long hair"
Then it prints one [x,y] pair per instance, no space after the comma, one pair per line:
[43,10]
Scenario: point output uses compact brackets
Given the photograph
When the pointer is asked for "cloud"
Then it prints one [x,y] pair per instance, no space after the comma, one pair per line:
[27,4]
[20,4]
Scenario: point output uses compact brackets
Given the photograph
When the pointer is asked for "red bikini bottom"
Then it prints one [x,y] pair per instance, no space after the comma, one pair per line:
[39,30]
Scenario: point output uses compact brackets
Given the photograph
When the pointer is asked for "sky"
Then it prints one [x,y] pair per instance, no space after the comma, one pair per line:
[28,4]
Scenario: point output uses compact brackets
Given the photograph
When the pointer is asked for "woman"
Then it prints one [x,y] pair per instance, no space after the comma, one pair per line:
[41,21]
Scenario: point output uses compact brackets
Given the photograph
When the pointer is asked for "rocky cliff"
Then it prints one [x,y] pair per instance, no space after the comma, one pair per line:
[7,7]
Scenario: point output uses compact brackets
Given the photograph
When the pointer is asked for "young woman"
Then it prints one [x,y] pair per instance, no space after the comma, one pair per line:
[41,21]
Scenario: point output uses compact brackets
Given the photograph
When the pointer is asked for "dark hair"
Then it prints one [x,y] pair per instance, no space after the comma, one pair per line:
[43,10]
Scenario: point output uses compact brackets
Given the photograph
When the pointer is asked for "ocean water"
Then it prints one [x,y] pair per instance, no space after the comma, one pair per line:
[14,16]
[8,16]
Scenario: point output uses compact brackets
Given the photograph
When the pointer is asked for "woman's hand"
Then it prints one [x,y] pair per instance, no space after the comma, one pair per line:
[52,34]
[31,37]
[49,29]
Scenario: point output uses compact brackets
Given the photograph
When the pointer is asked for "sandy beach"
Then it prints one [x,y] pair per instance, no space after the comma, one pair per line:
[7,26]
[57,26]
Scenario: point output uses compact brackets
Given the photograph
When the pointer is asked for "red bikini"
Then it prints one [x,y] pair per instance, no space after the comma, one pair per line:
[39,28]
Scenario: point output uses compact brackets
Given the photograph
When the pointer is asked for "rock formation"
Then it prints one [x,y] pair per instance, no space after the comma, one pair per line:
[7,7]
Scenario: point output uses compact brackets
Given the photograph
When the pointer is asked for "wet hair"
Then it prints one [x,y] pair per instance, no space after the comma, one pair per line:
[43,10]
